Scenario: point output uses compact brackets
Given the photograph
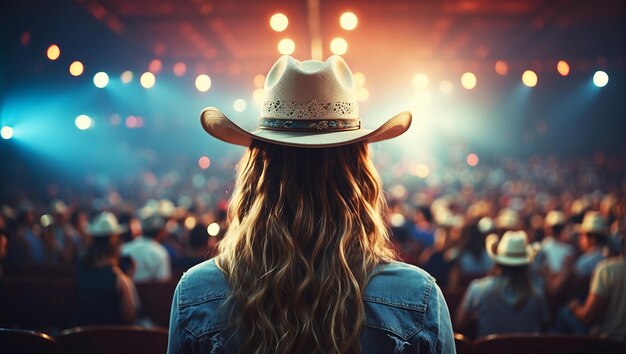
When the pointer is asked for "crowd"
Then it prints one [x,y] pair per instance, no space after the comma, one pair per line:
[517,245]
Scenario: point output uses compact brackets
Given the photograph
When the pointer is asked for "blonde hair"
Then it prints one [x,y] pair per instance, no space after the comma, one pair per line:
[306,231]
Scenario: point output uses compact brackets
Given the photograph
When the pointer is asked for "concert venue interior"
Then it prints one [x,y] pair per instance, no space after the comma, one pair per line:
[518,109]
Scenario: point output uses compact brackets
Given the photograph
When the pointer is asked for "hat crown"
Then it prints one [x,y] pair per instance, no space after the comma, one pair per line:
[310,90]
[594,222]
[513,244]
[105,224]
[555,217]
[513,249]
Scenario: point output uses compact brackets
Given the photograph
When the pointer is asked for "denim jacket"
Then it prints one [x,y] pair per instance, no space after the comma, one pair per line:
[405,312]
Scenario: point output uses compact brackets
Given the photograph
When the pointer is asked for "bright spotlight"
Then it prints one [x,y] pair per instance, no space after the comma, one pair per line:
[204,162]
[213,229]
[180,69]
[348,21]
[83,122]
[529,78]
[562,67]
[286,46]
[239,105]
[147,80]
[203,83]
[76,68]
[339,46]
[600,78]
[127,76]
[279,22]
[501,67]
[6,132]
[472,160]
[420,81]
[468,80]
[101,79]
[53,52]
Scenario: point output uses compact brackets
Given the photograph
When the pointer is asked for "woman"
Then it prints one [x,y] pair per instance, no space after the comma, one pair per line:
[506,302]
[104,294]
[472,260]
[306,264]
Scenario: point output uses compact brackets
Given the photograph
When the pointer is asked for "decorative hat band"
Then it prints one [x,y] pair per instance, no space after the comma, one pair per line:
[309,125]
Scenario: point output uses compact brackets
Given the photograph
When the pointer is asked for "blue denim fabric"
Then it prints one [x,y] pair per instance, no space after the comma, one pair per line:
[405,312]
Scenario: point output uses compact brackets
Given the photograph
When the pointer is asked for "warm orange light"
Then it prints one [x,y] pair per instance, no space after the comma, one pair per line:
[348,21]
[179,69]
[468,80]
[279,22]
[501,67]
[359,79]
[204,162]
[286,46]
[338,46]
[76,68]
[420,81]
[127,76]
[54,52]
[155,66]
[562,67]
[529,78]
[472,160]
[259,80]
[362,94]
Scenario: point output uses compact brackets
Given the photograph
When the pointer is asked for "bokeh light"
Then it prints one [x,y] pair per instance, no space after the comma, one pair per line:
[600,78]
[190,222]
[562,67]
[359,79]
[259,81]
[204,162]
[83,122]
[468,80]
[472,159]
[147,80]
[240,105]
[362,94]
[131,122]
[6,132]
[53,52]
[286,46]
[179,69]
[279,22]
[257,96]
[421,170]
[203,82]
[420,81]
[126,77]
[101,79]
[501,67]
[338,46]
[446,87]
[529,78]
[76,68]
[348,21]
[213,229]
[155,66]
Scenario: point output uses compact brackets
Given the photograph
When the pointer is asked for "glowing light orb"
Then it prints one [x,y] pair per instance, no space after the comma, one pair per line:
[213,229]
[529,78]
[131,122]
[359,79]
[348,21]
[422,171]
[362,94]
[46,220]
[53,52]
[600,78]
[468,80]
[501,67]
[257,96]
[126,77]
[76,68]
[279,22]
[446,87]
[179,69]
[259,80]
[239,105]
[203,83]
[83,122]
[204,162]
[101,79]
[190,222]
[147,80]
[472,160]
[155,66]
[562,67]
[6,132]
[286,46]
[420,81]
[338,46]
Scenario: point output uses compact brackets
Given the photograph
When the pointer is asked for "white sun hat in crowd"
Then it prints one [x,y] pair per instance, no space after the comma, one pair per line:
[105,224]
[308,103]
[512,250]
[595,223]
[507,219]
[555,217]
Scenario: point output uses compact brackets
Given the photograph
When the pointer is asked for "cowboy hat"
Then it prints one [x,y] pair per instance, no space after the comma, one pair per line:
[306,104]
[594,223]
[512,250]
[105,224]
[555,217]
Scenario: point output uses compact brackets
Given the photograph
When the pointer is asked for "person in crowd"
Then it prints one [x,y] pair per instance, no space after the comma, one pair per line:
[150,258]
[556,256]
[470,259]
[104,294]
[26,246]
[423,231]
[592,239]
[64,237]
[506,302]
[201,247]
[508,219]
[306,265]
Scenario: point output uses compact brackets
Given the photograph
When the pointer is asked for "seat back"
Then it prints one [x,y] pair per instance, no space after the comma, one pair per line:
[113,340]
[545,344]
[15,341]
[462,344]
[156,300]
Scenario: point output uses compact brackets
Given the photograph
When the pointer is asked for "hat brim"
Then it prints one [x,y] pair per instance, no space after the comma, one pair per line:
[103,233]
[221,127]
[491,241]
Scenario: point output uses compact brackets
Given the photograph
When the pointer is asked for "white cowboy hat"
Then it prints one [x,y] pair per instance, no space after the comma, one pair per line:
[306,104]
[105,224]
[595,223]
[152,223]
[513,249]
[555,217]
[507,219]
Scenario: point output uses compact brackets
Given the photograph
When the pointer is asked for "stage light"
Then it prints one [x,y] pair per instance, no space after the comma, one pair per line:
[338,46]
[213,229]
[468,80]
[420,81]
[83,122]
[155,66]
[259,81]
[53,52]
[190,222]
[126,77]
[46,220]
[362,94]
[286,46]
[501,67]
[600,78]
[203,83]
[204,162]
[421,171]
[180,69]
[147,80]
[348,21]
[446,87]
[131,122]
[257,97]
[359,79]
[6,132]
[279,22]
[472,160]
[101,79]
[562,67]
[76,68]
[239,105]
[529,78]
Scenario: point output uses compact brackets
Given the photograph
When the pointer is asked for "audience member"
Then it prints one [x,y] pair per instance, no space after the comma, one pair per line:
[152,262]
[471,260]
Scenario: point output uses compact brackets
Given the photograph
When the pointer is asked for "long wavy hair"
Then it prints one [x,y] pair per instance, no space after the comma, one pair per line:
[305,233]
